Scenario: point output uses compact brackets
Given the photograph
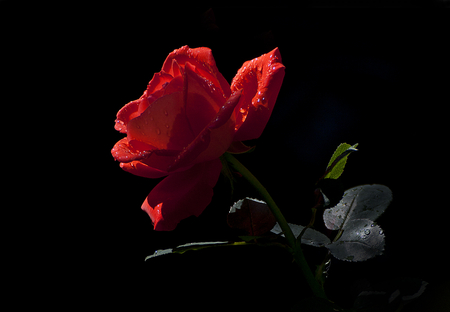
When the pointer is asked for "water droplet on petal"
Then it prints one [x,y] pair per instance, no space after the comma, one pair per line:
[381,232]
[158,131]
[367,231]
[166,113]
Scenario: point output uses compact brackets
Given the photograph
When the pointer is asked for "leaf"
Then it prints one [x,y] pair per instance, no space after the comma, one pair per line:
[310,237]
[360,202]
[354,216]
[389,295]
[160,252]
[362,239]
[191,246]
[251,215]
[337,162]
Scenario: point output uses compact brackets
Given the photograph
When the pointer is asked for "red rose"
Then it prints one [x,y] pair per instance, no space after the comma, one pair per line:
[185,120]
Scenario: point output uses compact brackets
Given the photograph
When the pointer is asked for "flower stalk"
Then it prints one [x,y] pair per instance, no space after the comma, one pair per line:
[290,238]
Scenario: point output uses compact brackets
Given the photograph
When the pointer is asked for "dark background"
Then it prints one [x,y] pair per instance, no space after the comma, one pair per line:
[377,78]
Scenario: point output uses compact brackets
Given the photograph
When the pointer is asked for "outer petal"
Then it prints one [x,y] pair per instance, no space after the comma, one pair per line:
[163,124]
[123,152]
[125,114]
[261,80]
[182,194]
[144,163]
[143,170]
[204,63]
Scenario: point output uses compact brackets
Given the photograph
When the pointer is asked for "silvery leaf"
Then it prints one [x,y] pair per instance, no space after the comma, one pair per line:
[360,202]
[310,237]
[361,240]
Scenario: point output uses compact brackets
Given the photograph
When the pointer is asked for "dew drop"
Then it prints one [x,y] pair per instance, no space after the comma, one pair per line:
[367,231]
[167,126]
[166,113]
[381,232]
[158,131]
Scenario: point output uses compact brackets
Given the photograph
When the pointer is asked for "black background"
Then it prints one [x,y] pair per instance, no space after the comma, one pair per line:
[377,78]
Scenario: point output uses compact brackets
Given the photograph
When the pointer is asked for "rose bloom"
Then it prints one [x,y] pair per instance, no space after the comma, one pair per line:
[186,119]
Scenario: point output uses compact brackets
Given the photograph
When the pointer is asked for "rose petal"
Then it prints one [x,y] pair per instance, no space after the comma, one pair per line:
[138,162]
[261,80]
[214,139]
[155,165]
[182,194]
[163,124]
[203,101]
[158,81]
[142,170]
[125,114]
[204,63]
[237,147]
[123,152]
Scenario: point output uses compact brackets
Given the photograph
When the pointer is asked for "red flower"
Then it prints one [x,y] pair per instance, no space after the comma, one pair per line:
[185,120]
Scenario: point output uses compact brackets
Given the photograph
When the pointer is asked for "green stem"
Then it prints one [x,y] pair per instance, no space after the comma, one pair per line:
[292,241]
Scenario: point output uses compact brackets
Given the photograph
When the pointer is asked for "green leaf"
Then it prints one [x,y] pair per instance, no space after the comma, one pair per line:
[192,246]
[338,160]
